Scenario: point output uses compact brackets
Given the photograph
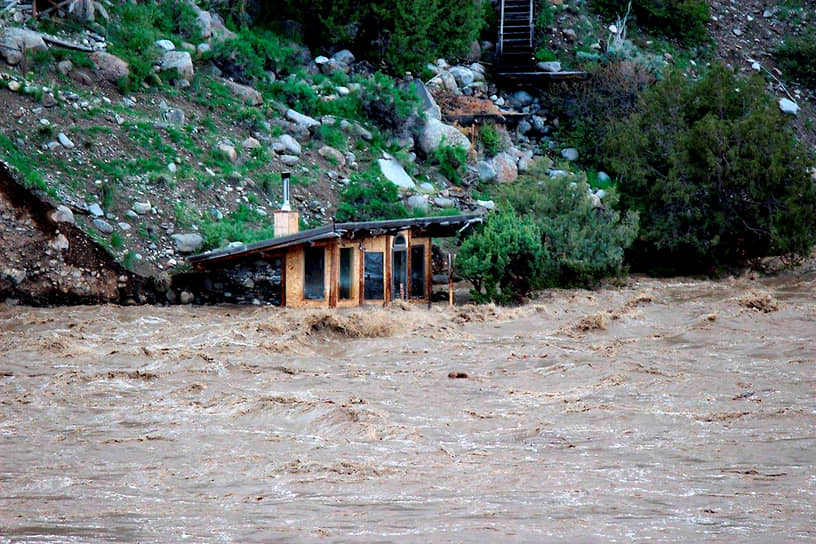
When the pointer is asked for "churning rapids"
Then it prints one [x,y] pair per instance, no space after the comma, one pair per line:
[663,411]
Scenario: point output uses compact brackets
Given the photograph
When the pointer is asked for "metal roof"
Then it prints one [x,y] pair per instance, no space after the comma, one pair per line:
[430,226]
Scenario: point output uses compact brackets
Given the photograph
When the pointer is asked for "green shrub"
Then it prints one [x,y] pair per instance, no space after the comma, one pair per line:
[246,57]
[490,138]
[451,161]
[370,197]
[796,57]
[684,20]
[582,243]
[714,173]
[243,225]
[502,259]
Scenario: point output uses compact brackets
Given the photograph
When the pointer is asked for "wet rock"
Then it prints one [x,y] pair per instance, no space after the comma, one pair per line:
[14,42]
[65,141]
[505,166]
[393,171]
[246,94]
[102,226]
[187,242]
[179,61]
[109,67]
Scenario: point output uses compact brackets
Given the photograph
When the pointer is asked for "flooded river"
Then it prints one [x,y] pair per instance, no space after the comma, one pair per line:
[663,411]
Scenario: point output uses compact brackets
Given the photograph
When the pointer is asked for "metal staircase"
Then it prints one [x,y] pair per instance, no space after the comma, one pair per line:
[516,26]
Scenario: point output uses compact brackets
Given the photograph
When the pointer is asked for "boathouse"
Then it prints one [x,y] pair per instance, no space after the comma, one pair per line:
[337,265]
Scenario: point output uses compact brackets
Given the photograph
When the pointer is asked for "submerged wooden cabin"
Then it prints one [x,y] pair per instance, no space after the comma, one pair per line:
[338,265]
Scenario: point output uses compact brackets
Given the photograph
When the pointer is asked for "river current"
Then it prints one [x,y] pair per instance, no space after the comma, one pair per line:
[661,411]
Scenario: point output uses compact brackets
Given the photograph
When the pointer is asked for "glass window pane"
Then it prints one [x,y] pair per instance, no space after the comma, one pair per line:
[345,272]
[418,272]
[374,289]
[314,258]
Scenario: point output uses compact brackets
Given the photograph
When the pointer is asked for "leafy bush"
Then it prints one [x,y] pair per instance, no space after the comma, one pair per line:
[451,161]
[681,19]
[714,173]
[502,259]
[243,225]
[796,57]
[490,138]
[246,57]
[582,243]
[369,197]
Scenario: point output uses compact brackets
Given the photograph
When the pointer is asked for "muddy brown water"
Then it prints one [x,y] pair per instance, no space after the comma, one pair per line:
[673,411]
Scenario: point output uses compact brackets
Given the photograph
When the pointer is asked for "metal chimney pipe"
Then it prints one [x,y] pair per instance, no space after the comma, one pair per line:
[285,206]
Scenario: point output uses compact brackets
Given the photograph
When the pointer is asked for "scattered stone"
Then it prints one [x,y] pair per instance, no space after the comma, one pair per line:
[290,144]
[435,133]
[102,226]
[187,242]
[463,76]
[737,32]
[570,34]
[16,275]
[174,116]
[48,100]
[172,168]
[250,143]
[788,106]
[289,160]
[444,81]
[301,120]
[345,56]
[417,202]
[505,166]
[203,48]
[96,210]
[227,151]
[362,132]
[331,154]
[124,227]
[520,99]
[14,86]
[15,41]
[62,214]
[65,141]
[179,61]
[65,66]
[486,171]
[165,45]
[109,67]
[393,171]
[486,204]
[603,177]
[570,153]
[186,297]
[246,94]
[549,66]
[444,202]
[59,242]
[427,187]
[141,208]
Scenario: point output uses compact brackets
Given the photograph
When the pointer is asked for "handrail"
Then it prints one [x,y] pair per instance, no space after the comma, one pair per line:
[501,31]
[531,24]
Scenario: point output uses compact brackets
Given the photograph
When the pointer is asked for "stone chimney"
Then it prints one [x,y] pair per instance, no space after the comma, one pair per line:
[286,219]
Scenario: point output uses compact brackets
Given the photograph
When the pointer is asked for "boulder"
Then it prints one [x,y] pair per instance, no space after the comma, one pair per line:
[345,56]
[788,106]
[65,66]
[444,81]
[109,67]
[519,99]
[434,133]
[246,94]
[62,214]
[289,144]
[505,166]
[570,153]
[395,173]
[486,171]
[165,45]
[444,202]
[141,208]
[417,202]
[301,120]
[227,151]
[211,25]
[102,226]
[15,42]
[289,160]
[331,154]
[549,66]
[179,61]
[250,143]
[187,242]
[463,76]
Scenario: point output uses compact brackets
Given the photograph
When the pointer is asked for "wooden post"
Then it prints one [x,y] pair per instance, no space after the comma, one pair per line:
[361,276]
[389,255]
[334,255]
[451,260]
[283,280]
[429,272]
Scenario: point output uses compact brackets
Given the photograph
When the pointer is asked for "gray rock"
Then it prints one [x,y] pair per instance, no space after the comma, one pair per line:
[435,133]
[187,242]
[141,208]
[603,177]
[596,201]
[301,120]
[290,145]
[427,187]
[203,48]
[62,214]
[539,123]
[520,99]
[788,106]
[331,154]
[124,227]
[16,275]
[246,94]
[345,56]
[250,143]
[550,66]
[65,141]
[320,60]
[524,126]
[174,116]
[130,214]
[444,202]
[570,153]
[395,173]
[165,45]
[109,67]
[486,204]
[444,81]
[211,25]
[59,242]
[186,297]
[463,76]
[362,132]
[95,210]
[102,226]
[557,173]
[417,202]
[600,193]
[429,106]
[505,166]
[289,160]
[14,42]
[216,214]
[65,66]
[486,171]
[180,61]
[227,151]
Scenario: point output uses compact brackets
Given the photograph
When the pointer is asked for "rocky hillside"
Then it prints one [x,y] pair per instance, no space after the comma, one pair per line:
[189,156]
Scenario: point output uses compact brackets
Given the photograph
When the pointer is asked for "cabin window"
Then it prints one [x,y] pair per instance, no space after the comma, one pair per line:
[418,272]
[374,275]
[399,283]
[314,269]
[345,272]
